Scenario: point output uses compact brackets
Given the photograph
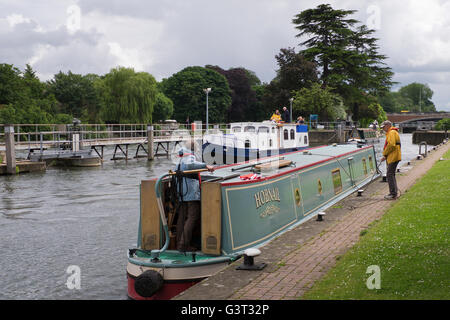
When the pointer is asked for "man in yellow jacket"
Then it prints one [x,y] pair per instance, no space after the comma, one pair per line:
[392,154]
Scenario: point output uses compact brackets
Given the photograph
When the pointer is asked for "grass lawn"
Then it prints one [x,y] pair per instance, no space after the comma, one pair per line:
[410,244]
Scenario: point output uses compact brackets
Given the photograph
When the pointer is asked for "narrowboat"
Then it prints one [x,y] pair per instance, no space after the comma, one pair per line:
[253,140]
[243,206]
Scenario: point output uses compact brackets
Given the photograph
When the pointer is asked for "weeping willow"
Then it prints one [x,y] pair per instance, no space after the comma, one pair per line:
[129,96]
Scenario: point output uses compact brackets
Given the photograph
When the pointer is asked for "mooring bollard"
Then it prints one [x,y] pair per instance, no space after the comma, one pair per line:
[423,143]
[150,154]
[10,149]
[320,216]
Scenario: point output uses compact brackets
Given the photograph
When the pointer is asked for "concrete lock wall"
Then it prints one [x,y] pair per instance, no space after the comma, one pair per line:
[430,137]
[327,136]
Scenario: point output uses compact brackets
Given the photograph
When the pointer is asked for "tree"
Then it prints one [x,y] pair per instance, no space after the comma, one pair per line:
[11,84]
[395,102]
[23,98]
[127,96]
[75,93]
[294,73]
[243,97]
[443,124]
[347,55]
[163,108]
[373,111]
[34,85]
[317,100]
[420,95]
[185,89]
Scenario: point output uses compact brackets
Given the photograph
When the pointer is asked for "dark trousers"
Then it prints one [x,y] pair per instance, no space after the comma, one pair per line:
[188,217]
[390,176]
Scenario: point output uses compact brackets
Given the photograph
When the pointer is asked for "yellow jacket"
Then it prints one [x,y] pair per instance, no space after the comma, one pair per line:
[276,117]
[392,147]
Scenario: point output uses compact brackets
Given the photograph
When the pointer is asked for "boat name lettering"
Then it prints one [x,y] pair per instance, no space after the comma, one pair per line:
[266,195]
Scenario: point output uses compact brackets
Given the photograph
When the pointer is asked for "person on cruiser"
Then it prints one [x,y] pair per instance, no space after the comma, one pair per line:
[392,154]
[276,116]
[286,117]
[190,210]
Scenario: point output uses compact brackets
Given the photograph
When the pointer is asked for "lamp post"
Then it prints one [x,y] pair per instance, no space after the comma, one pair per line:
[290,116]
[207,91]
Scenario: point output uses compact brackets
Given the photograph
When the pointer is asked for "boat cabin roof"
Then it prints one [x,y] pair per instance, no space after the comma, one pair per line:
[300,159]
[237,127]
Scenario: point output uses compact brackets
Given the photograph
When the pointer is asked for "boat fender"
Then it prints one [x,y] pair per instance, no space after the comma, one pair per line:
[148,283]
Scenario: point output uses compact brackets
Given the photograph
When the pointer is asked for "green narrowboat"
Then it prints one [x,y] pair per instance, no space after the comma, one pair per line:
[243,206]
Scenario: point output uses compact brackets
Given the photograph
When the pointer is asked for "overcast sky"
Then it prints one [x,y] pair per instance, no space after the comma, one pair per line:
[164,36]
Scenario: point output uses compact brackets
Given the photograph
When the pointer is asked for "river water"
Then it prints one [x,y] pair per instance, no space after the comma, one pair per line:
[83,217]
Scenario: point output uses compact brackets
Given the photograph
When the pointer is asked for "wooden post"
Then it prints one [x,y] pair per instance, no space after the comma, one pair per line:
[150,154]
[340,134]
[10,150]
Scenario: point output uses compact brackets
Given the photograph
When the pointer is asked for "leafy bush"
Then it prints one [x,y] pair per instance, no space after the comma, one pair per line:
[443,124]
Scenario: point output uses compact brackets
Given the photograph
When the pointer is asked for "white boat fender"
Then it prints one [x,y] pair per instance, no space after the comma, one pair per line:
[148,283]
[249,263]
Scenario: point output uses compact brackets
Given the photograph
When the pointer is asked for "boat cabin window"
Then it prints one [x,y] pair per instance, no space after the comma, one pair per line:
[305,139]
[247,144]
[370,163]
[249,129]
[236,129]
[270,142]
[364,166]
[292,134]
[286,134]
[263,129]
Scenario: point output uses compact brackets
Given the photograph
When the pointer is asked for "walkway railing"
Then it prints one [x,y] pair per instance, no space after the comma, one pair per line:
[56,135]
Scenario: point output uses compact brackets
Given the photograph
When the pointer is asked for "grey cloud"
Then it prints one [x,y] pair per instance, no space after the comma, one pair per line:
[132,8]
[21,43]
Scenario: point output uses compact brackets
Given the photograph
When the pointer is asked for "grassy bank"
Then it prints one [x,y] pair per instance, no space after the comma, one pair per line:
[410,244]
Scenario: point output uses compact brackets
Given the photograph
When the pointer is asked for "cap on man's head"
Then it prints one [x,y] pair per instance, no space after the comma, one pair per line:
[387,122]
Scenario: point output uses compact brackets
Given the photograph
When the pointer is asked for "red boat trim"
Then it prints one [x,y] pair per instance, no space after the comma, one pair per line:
[292,170]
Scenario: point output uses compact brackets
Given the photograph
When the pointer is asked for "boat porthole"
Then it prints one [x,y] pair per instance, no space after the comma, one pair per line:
[319,186]
[297,197]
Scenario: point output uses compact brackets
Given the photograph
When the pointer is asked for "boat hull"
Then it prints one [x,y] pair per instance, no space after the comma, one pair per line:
[167,292]
[176,278]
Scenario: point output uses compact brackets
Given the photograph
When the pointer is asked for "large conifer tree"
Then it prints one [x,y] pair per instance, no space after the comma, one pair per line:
[347,55]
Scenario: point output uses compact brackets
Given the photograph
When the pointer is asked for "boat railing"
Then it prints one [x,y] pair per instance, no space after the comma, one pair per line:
[346,125]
